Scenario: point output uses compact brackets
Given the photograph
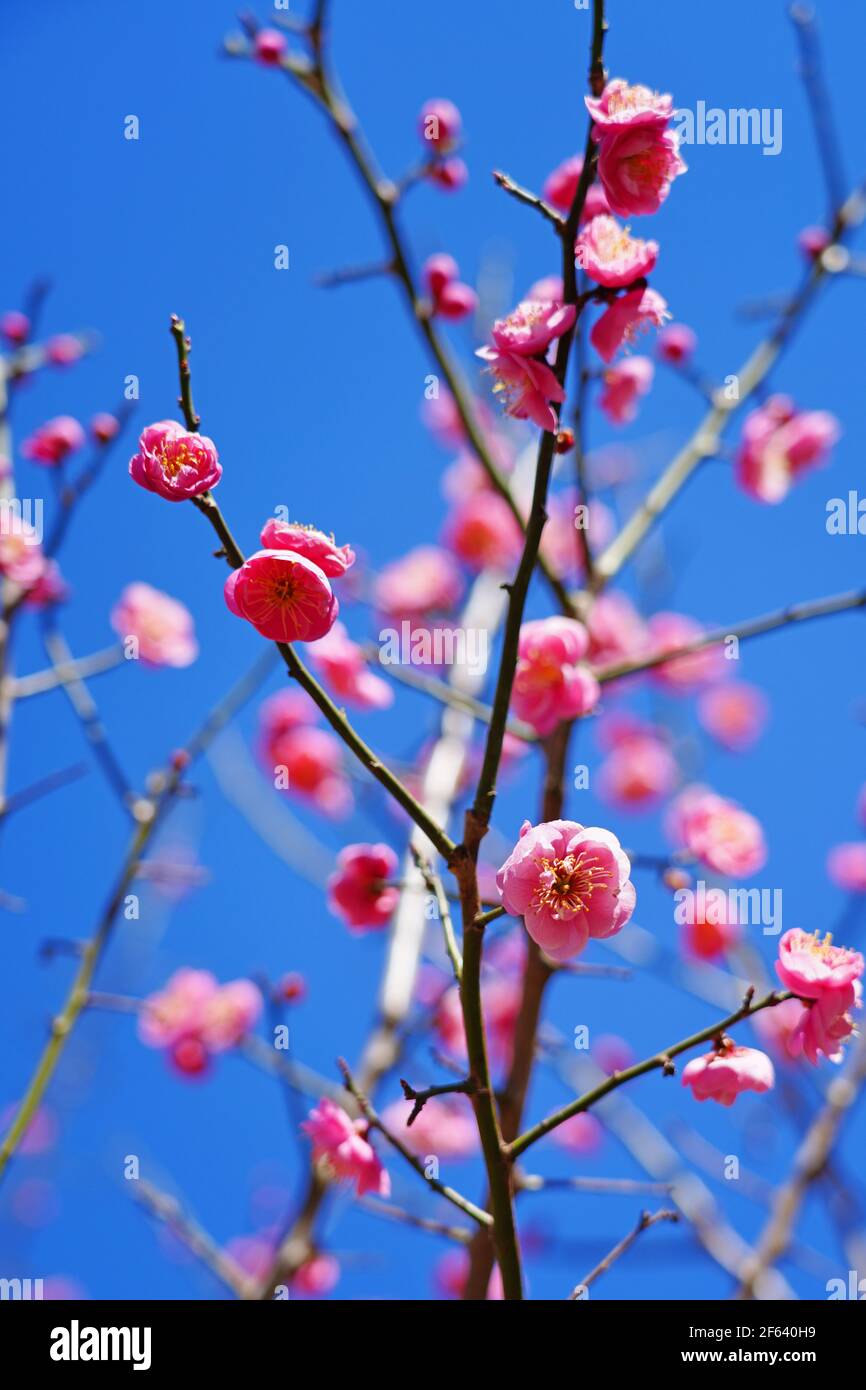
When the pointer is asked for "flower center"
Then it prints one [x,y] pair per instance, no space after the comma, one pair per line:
[566,886]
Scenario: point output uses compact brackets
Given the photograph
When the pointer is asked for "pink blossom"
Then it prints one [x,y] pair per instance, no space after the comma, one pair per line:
[734,713]
[779,444]
[15,327]
[617,632]
[41,1132]
[636,166]
[624,319]
[445,1127]
[484,533]
[361,891]
[284,596]
[813,968]
[525,385]
[54,441]
[709,932]
[721,834]
[269,46]
[63,350]
[612,1053]
[174,463]
[424,581]
[846,865]
[309,763]
[316,1277]
[194,1009]
[341,661]
[104,427]
[568,883]
[288,709]
[579,1134]
[452,1271]
[450,298]
[611,256]
[332,559]
[291,988]
[440,123]
[161,625]
[623,106]
[560,190]
[638,772]
[684,674]
[21,557]
[530,328]
[560,541]
[824,1025]
[500,1004]
[726,1074]
[552,681]
[450,174]
[779,1028]
[676,343]
[341,1143]
[623,385]
[813,241]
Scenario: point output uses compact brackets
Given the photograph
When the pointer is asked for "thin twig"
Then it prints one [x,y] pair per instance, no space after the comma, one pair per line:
[646,1220]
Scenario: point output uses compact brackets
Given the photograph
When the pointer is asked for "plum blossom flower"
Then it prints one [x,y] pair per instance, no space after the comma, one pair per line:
[824,1025]
[308,763]
[676,344]
[580,1134]
[269,46]
[424,581]
[63,350]
[625,106]
[162,627]
[444,1127]
[560,543]
[484,533]
[684,674]
[813,242]
[525,381]
[175,463]
[779,444]
[54,441]
[846,865]
[50,587]
[639,771]
[21,557]
[104,427]
[720,833]
[636,166]
[451,299]
[625,318]
[611,256]
[734,713]
[317,1276]
[440,123]
[560,189]
[452,1272]
[500,1005]
[813,968]
[283,595]
[727,1073]
[194,1016]
[568,883]
[341,661]
[332,559]
[15,327]
[617,632]
[552,682]
[709,932]
[359,891]
[340,1143]
[450,174]
[623,385]
[532,326]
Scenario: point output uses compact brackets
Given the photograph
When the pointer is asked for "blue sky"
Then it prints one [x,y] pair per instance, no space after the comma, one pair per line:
[313,399]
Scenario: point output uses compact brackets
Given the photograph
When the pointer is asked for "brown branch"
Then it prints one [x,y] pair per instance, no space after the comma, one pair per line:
[646,1220]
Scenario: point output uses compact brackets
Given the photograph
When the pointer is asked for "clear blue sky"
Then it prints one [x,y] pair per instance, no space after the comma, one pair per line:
[313,399]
